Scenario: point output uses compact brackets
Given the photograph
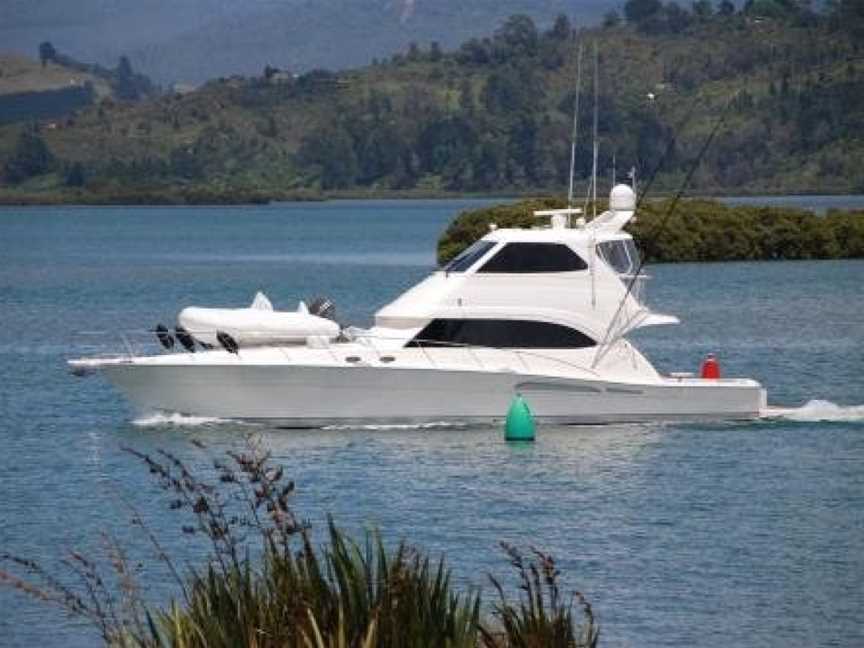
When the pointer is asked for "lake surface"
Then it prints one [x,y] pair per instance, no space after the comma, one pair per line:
[680,535]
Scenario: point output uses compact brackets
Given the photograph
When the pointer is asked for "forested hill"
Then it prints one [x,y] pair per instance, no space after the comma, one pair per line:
[495,115]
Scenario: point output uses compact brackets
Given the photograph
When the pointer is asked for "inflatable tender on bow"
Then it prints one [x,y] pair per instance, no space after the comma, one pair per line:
[257,325]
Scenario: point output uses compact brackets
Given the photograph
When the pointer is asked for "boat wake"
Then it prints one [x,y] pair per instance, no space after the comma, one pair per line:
[435,425]
[164,419]
[175,420]
[817,411]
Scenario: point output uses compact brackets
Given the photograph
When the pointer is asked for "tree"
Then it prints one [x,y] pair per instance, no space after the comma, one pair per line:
[474,52]
[332,151]
[185,163]
[611,19]
[466,97]
[124,67]
[726,8]
[435,53]
[551,55]
[379,154]
[413,52]
[784,84]
[125,86]
[522,146]
[47,52]
[772,8]
[517,38]
[511,90]
[444,141]
[848,15]
[676,18]
[561,29]
[75,176]
[31,157]
[703,10]
[490,159]
[638,11]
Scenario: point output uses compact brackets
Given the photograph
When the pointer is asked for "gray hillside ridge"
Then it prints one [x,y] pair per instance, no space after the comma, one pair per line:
[198,40]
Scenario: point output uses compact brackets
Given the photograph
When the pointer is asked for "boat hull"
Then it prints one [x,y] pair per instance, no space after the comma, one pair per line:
[314,396]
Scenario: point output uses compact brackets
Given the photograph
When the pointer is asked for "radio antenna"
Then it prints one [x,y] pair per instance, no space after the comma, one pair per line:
[596,124]
[575,131]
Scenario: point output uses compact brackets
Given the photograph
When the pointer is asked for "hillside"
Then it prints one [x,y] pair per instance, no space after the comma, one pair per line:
[58,85]
[19,74]
[196,40]
[494,116]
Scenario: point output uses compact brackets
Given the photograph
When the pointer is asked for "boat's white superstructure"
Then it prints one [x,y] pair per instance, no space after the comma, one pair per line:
[541,311]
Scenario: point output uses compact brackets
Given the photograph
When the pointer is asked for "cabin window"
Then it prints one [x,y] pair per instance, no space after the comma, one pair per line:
[621,255]
[469,256]
[534,257]
[500,333]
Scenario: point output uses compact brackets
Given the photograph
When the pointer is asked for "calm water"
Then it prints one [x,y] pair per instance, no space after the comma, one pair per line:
[685,535]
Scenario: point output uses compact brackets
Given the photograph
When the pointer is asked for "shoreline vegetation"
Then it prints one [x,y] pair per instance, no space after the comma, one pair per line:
[202,195]
[698,229]
[265,582]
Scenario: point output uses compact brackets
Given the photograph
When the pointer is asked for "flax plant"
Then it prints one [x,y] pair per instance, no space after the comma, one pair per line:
[543,616]
[266,583]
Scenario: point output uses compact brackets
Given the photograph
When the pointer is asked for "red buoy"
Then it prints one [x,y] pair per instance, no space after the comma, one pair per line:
[710,368]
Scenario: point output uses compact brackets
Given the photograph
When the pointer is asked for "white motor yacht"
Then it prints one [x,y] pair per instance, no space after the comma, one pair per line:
[543,312]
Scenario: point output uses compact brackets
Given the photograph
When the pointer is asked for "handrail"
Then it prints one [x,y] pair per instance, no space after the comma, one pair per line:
[362,338]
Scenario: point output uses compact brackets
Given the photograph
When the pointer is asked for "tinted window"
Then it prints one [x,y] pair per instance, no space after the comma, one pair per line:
[534,257]
[523,334]
[621,255]
[469,256]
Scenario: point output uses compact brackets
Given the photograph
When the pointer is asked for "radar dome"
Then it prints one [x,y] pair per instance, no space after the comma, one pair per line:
[622,198]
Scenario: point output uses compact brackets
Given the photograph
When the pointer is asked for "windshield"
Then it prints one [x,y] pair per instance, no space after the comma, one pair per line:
[621,255]
[469,256]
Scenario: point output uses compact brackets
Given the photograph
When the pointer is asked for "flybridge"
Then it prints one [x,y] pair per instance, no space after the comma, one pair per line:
[622,207]
[559,218]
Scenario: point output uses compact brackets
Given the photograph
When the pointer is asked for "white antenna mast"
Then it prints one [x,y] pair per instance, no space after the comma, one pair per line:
[575,131]
[594,175]
[596,122]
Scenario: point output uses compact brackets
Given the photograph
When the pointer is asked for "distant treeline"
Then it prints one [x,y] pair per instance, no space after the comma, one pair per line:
[697,230]
[193,195]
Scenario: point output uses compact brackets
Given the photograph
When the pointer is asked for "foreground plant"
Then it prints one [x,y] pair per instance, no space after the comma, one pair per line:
[265,583]
[542,616]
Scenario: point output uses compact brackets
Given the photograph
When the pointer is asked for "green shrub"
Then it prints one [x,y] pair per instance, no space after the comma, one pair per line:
[697,230]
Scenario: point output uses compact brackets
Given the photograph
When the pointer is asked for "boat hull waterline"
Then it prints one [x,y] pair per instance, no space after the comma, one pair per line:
[316,396]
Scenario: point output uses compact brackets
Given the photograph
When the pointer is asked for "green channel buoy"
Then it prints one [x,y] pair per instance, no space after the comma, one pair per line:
[520,421]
